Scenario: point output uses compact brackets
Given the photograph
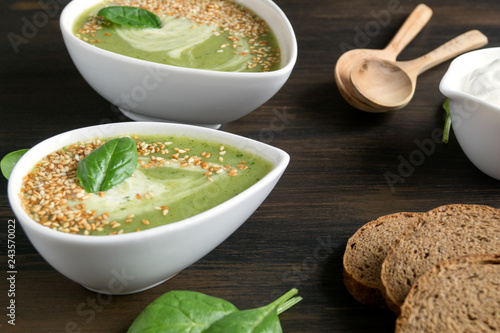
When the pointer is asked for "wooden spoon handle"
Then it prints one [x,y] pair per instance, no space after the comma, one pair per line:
[466,42]
[408,31]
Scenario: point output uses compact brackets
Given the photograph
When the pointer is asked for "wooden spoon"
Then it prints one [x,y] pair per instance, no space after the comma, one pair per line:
[410,28]
[390,85]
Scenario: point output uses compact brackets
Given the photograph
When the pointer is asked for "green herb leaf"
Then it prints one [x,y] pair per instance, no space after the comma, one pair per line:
[108,165]
[260,320]
[131,16]
[9,161]
[447,121]
[181,311]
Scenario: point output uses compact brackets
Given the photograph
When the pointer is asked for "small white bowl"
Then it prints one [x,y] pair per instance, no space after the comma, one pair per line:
[132,262]
[476,123]
[149,91]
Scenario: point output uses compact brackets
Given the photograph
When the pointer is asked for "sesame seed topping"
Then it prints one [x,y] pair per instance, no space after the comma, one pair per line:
[52,196]
[225,16]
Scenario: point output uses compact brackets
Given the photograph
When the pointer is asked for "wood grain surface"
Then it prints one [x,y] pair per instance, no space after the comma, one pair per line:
[336,180]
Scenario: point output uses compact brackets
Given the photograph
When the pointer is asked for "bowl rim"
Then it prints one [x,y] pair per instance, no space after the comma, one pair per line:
[126,128]
[456,72]
[65,27]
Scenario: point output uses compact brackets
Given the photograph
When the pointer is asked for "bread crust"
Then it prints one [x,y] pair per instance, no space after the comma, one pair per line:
[435,304]
[442,233]
[362,293]
[368,248]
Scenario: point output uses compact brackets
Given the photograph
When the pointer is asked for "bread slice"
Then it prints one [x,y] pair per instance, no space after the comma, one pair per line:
[457,295]
[440,234]
[365,252]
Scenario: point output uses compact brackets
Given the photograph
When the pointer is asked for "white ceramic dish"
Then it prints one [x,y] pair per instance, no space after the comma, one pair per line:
[154,92]
[476,123]
[128,263]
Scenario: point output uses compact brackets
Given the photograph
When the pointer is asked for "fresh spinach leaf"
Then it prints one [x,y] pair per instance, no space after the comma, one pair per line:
[9,161]
[108,165]
[193,312]
[260,320]
[447,121]
[181,311]
[131,16]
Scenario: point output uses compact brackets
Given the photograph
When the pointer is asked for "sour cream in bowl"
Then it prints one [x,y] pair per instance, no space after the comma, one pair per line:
[472,84]
[484,82]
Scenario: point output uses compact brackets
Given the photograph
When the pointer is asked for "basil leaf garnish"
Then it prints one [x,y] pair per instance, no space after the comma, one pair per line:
[108,165]
[447,121]
[181,311]
[9,161]
[131,16]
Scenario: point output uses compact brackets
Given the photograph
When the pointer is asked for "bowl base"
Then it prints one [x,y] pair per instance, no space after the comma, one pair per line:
[137,117]
[127,291]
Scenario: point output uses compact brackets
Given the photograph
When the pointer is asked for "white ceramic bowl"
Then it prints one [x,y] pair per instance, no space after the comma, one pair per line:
[145,90]
[476,123]
[131,262]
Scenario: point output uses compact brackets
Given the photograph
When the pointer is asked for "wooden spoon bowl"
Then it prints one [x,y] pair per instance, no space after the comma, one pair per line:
[390,85]
[410,28]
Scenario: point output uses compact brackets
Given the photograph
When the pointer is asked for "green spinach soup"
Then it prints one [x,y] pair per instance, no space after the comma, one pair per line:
[215,35]
[175,178]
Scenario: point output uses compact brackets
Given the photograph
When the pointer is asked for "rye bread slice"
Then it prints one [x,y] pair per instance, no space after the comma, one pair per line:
[365,252]
[458,295]
[442,233]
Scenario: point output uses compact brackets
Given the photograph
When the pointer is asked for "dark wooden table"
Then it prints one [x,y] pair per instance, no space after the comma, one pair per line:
[334,184]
